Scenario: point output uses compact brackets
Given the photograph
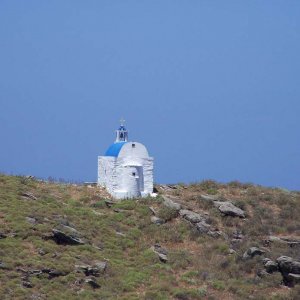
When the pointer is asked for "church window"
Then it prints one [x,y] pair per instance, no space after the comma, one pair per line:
[133,145]
[133,173]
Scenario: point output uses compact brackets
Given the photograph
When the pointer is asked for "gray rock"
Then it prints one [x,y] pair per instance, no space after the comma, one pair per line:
[227,208]
[55,273]
[27,284]
[288,265]
[109,203]
[231,251]
[161,252]
[3,235]
[191,216]
[253,251]
[209,198]
[293,279]
[67,235]
[159,249]
[162,257]
[238,236]
[270,266]
[289,269]
[214,233]
[120,233]
[284,240]
[93,283]
[157,221]
[96,270]
[203,227]
[31,220]
[27,195]
[42,252]
[171,204]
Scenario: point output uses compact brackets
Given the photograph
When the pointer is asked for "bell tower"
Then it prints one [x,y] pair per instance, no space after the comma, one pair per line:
[121,133]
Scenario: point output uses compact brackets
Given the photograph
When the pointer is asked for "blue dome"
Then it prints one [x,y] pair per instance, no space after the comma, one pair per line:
[114,149]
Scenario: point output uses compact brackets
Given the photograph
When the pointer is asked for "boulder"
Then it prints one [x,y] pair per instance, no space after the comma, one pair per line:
[227,208]
[288,265]
[96,270]
[270,266]
[157,221]
[289,269]
[67,235]
[171,204]
[203,227]
[253,251]
[191,216]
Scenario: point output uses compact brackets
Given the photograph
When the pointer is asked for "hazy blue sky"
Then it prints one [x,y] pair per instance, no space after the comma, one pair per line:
[212,88]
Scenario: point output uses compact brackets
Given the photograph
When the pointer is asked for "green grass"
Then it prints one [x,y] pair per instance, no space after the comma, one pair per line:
[198,267]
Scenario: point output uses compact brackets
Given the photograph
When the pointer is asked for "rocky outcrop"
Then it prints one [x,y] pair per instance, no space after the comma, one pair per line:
[270,265]
[66,235]
[253,251]
[228,209]
[198,221]
[191,216]
[29,273]
[171,204]
[96,270]
[291,241]
[290,270]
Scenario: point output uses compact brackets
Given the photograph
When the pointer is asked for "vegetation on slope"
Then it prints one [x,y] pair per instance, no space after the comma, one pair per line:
[35,265]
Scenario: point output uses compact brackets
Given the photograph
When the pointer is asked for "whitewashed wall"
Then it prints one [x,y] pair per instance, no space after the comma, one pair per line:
[116,173]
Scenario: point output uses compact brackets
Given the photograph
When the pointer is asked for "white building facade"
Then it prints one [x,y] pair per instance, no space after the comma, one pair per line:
[126,170]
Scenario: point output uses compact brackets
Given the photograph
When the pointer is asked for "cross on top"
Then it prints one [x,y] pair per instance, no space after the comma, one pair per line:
[122,121]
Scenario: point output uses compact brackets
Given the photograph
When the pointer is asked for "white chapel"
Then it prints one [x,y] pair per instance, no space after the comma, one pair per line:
[126,170]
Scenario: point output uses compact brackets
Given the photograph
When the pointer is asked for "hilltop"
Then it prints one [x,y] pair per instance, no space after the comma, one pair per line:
[200,241]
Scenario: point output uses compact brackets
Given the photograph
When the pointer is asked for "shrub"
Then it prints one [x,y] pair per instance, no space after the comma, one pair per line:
[167,213]
[218,285]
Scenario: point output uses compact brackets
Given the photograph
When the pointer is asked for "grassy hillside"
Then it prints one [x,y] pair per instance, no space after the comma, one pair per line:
[110,253]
